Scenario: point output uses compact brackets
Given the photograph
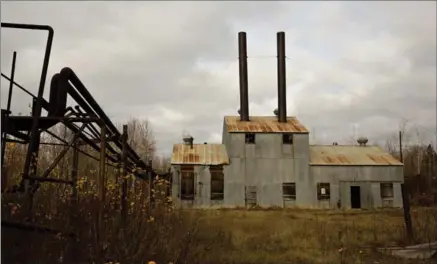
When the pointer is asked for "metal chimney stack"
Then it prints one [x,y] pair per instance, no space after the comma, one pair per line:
[244,93]
[282,86]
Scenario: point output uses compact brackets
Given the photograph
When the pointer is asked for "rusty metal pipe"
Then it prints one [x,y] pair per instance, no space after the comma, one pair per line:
[35,136]
[244,90]
[282,86]
[78,85]
[8,107]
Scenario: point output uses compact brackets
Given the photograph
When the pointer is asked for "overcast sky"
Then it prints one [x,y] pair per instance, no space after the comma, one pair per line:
[353,68]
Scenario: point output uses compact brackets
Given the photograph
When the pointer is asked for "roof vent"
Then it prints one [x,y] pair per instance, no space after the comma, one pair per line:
[188,140]
[335,143]
[362,141]
[276,112]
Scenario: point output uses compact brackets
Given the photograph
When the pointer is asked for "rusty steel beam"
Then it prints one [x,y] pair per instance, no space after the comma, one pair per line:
[45,179]
[124,192]
[8,107]
[63,152]
[34,134]
[35,228]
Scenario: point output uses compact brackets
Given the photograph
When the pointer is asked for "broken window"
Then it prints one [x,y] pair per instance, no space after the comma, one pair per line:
[217,182]
[287,139]
[187,183]
[250,138]
[386,190]
[289,191]
[323,191]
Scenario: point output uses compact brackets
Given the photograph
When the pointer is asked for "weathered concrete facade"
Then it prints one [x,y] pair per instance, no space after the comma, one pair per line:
[197,175]
[367,178]
[271,173]
[202,186]
[266,165]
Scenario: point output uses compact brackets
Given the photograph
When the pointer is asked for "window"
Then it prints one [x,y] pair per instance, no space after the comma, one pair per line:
[287,139]
[323,191]
[386,190]
[217,182]
[250,138]
[289,191]
[187,183]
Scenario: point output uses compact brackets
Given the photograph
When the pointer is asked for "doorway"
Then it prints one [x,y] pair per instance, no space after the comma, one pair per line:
[355,197]
[251,193]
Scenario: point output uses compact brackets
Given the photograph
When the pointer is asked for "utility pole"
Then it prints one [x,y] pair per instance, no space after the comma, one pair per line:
[400,147]
[405,198]
[149,174]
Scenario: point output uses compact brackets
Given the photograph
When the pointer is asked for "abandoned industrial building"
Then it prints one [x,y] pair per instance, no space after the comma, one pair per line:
[267,161]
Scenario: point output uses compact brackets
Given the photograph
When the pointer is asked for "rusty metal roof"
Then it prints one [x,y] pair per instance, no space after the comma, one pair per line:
[350,155]
[200,154]
[264,124]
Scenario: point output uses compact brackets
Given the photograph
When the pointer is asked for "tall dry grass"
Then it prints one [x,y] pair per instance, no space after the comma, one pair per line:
[159,235]
[308,236]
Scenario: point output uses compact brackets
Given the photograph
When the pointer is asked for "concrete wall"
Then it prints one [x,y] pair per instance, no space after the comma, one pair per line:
[202,187]
[369,178]
[267,164]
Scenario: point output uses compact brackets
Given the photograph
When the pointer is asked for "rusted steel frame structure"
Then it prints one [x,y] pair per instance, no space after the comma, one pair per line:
[96,129]
[36,113]
[63,83]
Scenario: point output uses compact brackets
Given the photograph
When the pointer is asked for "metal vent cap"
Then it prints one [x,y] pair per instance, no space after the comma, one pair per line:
[362,141]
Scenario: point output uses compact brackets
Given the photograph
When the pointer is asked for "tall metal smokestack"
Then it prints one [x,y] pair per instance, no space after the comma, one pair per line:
[282,93]
[244,93]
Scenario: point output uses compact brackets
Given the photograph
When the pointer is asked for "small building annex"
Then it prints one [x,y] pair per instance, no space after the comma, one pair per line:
[197,174]
[267,161]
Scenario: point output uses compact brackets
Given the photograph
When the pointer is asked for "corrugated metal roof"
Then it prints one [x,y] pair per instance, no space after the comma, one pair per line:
[264,124]
[200,154]
[350,155]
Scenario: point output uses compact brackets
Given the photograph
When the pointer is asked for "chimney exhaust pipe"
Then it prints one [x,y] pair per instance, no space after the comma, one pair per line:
[282,86]
[244,93]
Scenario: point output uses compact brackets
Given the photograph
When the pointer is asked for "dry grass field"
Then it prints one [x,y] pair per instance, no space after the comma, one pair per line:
[209,236]
[306,236]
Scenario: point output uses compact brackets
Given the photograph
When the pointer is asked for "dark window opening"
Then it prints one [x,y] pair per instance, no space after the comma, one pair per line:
[323,191]
[289,191]
[287,139]
[250,138]
[187,183]
[386,190]
[217,183]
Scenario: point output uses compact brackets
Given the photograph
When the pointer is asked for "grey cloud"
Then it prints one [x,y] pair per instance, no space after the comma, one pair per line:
[150,59]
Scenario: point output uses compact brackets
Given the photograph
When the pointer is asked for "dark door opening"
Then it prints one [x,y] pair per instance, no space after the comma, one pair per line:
[355,197]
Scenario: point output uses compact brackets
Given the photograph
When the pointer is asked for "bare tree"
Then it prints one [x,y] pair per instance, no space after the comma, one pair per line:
[141,138]
[162,163]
